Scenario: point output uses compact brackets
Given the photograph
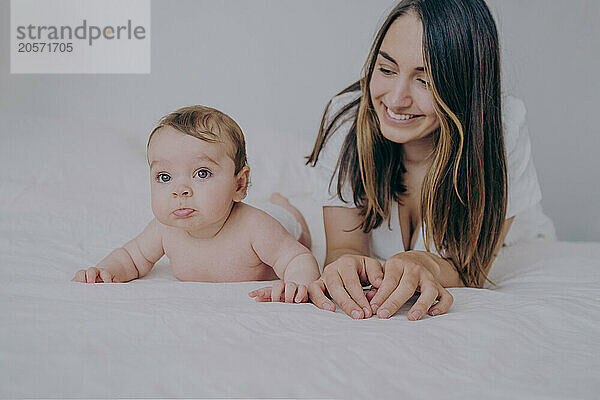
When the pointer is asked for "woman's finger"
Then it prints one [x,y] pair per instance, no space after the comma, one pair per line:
[429,293]
[290,291]
[335,287]
[388,285]
[406,288]
[374,271]
[352,284]
[316,294]
[302,294]
[276,291]
[444,303]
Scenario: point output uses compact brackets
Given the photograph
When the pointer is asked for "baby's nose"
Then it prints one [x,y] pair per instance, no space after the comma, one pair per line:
[184,191]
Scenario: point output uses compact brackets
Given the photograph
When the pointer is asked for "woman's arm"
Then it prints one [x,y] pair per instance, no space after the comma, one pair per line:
[340,237]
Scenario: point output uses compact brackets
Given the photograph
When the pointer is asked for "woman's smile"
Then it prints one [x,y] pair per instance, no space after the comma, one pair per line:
[400,119]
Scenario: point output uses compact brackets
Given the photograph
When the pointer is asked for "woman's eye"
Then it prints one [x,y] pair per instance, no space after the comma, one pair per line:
[202,173]
[423,82]
[163,178]
[385,71]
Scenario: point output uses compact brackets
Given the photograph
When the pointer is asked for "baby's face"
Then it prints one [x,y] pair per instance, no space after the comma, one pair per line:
[193,182]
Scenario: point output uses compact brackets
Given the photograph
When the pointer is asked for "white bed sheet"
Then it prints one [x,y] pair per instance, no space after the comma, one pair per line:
[68,197]
[534,336]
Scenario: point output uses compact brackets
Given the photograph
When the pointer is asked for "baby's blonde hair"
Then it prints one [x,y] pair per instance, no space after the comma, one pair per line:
[211,125]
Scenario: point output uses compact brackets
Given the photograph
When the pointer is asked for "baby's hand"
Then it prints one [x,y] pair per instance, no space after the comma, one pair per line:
[288,292]
[94,275]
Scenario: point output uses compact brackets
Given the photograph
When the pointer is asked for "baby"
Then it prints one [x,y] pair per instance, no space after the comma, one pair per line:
[199,177]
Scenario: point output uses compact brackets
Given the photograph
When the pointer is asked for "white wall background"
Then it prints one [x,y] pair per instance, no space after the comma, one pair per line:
[272,65]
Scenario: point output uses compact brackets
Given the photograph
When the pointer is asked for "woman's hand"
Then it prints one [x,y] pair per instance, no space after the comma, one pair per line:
[393,284]
[404,274]
[344,279]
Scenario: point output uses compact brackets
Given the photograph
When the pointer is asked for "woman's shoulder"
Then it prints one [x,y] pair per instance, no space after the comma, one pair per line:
[343,99]
[514,120]
[324,175]
[341,123]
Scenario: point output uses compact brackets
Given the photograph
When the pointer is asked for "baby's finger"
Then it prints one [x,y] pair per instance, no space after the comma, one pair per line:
[302,294]
[79,276]
[276,291]
[91,274]
[290,291]
[428,295]
[443,305]
[257,292]
[106,276]
[316,294]
[264,295]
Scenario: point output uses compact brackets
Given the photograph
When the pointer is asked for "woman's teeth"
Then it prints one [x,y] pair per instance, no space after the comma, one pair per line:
[401,117]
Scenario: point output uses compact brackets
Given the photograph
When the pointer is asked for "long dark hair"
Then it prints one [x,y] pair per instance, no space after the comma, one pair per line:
[463,200]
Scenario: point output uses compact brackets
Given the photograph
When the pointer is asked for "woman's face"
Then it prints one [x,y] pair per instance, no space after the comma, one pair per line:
[399,88]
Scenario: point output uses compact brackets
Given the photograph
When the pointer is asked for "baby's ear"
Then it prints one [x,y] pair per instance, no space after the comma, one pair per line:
[241,180]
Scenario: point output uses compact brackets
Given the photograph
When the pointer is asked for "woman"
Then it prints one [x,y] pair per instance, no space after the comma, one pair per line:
[412,167]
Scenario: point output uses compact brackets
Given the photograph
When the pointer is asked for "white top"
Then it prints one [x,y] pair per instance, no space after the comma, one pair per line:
[523,187]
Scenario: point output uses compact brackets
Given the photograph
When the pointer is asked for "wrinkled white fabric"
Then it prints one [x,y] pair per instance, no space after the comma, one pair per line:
[77,194]
[532,336]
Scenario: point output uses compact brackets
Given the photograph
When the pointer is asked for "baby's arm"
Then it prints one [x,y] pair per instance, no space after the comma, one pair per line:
[134,260]
[293,263]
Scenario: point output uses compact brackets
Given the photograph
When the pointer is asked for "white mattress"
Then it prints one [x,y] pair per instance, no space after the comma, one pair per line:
[533,336]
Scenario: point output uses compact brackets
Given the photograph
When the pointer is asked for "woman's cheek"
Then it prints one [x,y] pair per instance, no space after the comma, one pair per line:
[376,87]
[426,103]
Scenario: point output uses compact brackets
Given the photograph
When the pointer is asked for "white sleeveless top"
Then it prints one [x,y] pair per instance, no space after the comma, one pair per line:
[524,194]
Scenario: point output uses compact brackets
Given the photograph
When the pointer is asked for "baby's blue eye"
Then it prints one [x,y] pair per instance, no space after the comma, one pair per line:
[163,178]
[202,173]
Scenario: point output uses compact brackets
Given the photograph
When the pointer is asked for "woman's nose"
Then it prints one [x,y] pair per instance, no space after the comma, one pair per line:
[400,96]
[183,191]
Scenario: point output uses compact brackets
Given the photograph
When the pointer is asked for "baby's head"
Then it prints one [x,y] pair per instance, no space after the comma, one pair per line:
[198,169]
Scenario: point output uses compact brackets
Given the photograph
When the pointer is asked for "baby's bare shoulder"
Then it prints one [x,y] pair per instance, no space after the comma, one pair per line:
[256,220]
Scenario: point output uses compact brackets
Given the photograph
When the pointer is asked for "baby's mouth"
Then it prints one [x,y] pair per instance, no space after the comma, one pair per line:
[183,212]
